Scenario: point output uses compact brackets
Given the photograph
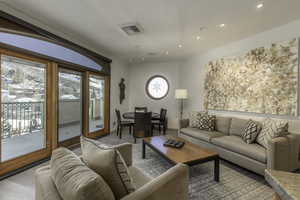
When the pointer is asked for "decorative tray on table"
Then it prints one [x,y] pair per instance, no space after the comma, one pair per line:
[174,144]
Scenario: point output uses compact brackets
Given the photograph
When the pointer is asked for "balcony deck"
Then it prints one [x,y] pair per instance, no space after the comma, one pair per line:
[15,146]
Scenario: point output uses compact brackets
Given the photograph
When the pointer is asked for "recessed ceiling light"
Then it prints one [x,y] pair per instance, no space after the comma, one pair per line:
[222,25]
[202,28]
[180,46]
[260,5]
[198,37]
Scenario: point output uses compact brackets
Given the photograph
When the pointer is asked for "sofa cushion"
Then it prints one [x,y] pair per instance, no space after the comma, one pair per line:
[74,180]
[223,124]
[201,134]
[108,162]
[237,126]
[237,145]
[138,177]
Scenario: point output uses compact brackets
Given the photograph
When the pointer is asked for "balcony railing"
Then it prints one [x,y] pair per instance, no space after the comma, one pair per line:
[19,118]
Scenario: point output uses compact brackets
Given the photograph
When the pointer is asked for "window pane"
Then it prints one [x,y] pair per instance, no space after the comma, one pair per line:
[49,49]
[96,104]
[157,87]
[23,106]
[70,105]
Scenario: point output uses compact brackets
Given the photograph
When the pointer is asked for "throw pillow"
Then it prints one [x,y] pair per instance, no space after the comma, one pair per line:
[272,128]
[194,118]
[251,131]
[74,180]
[207,122]
[108,162]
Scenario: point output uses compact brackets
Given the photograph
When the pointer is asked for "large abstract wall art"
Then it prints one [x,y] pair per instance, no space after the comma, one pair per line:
[264,80]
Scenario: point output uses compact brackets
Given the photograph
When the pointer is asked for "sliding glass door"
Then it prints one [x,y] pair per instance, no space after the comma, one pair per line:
[96,103]
[23,110]
[69,105]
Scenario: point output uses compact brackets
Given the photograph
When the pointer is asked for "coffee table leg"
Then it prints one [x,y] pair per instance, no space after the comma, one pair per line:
[217,170]
[143,150]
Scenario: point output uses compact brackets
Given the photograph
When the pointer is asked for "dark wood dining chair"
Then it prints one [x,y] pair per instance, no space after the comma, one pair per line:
[142,125]
[161,123]
[122,123]
[140,109]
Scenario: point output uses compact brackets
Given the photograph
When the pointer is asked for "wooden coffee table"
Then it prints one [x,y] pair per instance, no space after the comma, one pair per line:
[189,154]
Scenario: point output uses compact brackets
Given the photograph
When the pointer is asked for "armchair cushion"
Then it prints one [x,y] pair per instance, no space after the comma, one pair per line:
[173,184]
[125,150]
[45,188]
[108,162]
[74,180]
[138,177]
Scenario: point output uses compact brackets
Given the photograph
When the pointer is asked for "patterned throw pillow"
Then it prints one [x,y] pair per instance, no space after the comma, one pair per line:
[194,118]
[251,131]
[108,162]
[272,128]
[207,122]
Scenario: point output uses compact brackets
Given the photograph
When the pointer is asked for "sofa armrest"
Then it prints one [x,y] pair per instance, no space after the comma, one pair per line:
[173,184]
[184,123]
[283,153]
[125,150]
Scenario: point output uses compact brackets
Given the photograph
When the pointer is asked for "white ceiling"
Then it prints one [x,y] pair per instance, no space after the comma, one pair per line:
[166,23]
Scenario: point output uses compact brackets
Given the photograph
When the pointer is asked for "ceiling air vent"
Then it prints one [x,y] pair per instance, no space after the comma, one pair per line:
[132,29]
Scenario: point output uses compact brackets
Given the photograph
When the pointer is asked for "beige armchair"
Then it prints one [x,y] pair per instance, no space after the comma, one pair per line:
[173,184]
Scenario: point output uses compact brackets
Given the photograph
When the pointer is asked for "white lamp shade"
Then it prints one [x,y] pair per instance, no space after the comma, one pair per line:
[181,94]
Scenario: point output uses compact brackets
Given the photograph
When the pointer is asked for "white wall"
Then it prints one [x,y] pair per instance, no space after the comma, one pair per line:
[193,71]
[140,73]
[119,69]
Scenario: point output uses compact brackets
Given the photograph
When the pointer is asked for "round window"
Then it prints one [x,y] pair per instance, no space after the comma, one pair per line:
[157,87]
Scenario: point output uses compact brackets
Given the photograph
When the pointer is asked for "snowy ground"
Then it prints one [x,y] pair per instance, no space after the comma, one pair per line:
[23,144]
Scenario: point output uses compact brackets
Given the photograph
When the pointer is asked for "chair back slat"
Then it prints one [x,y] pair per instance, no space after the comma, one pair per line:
[118,116]
[163,114]
[142,126]
[140,109]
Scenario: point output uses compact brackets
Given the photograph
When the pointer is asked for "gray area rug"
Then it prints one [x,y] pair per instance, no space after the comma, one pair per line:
[235,182]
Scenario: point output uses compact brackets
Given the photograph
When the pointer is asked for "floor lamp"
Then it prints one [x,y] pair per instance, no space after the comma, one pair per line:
[181,94]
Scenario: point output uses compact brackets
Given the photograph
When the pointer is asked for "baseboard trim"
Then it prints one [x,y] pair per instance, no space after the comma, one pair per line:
[22,169]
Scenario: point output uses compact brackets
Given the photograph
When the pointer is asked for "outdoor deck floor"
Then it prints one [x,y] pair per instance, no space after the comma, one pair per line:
[27,143]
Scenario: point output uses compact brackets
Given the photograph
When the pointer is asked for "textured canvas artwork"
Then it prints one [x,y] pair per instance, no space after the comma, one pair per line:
[264,80]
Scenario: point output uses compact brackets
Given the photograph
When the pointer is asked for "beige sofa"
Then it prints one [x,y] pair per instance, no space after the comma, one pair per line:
[173,184]
[281,154]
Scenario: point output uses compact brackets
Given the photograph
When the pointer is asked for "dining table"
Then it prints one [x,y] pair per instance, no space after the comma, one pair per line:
[130,115]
